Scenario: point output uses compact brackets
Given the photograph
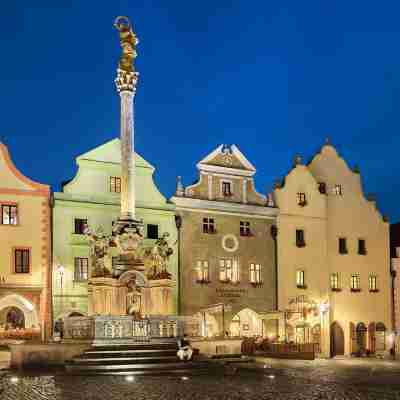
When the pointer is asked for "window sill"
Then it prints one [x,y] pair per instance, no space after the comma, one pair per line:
[302,204]
[230,282]
[246,235]
[203,281]
[336,289]
[355,290]
[374,290]
[14,225]
[300,245]
[256,284]
[343,253]
[210,233]
[301,286]
[362,254]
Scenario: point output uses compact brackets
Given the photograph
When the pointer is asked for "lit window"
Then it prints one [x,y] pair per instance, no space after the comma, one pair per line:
[9,214]
[335,281]
[115,184]
[337,190]
[245,228]
[342,246]
[208,225]
[202,272]
[301,199]
[152,231]
[255,273]
[362,249]
[228,270]
[300,242]
[22,261]
[355,282]
[81,269]
[300,279]
[372,283]
[226,189]
[80,226]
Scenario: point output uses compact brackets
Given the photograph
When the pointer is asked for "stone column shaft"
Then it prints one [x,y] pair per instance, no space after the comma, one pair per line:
[127,155]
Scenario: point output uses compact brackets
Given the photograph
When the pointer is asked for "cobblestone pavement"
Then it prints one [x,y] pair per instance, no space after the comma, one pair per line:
[268,379]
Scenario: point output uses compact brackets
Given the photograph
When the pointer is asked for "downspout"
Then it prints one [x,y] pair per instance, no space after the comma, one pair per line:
[178,223]
[50,274]
[274,234]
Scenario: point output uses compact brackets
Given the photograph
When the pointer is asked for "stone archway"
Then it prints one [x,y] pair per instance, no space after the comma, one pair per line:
[17,302]
[380,337]
[337,340]
[361,336]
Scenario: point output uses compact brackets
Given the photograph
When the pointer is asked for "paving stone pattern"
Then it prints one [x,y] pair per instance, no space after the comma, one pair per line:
[268,379]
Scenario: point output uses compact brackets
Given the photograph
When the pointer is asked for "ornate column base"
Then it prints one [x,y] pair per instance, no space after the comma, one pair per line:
[107,296]
[160,301]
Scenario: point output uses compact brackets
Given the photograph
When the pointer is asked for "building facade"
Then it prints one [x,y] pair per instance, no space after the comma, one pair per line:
[227,253]
[92,198]
[25,251]
[333,259]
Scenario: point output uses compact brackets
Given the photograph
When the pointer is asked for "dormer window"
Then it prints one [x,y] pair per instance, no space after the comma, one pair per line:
[337,190]
[301,199]
[226,189]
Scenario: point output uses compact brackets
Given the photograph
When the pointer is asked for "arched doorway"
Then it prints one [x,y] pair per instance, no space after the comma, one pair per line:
[380,337]
[337,340]
[361,336]
[15,318]
[18,311]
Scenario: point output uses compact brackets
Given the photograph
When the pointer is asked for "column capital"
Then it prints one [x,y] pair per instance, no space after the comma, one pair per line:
[126,81]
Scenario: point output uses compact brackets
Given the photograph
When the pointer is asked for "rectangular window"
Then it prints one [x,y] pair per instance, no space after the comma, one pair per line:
[355,283]
[81,272]
[80,226]
[208,225]
[22,259]
[301,199]
[372,283]
[152,231]
[226,189]
[300,283]
[335,281]
[255,273]
[362,249]
[342,246]
[245,228]
[203,272]
[115,184]
[322,187]
[337,190]
[9,214]
[300,241]
[228,270]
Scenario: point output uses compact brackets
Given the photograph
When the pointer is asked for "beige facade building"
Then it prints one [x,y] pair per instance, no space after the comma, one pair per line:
[227,268]
[334,282]
[25,250]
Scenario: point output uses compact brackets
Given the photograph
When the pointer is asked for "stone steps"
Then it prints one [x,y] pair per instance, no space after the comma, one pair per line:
[157,358]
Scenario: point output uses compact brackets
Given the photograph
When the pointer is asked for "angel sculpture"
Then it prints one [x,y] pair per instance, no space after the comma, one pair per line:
[99,246]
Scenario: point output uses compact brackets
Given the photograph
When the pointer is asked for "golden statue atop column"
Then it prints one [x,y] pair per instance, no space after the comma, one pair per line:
[126,75]
[128,40]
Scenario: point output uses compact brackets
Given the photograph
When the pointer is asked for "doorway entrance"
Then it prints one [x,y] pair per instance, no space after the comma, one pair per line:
[337,340]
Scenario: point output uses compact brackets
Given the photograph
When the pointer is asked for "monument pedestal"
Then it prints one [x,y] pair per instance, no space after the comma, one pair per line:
[160,301]
[106,296]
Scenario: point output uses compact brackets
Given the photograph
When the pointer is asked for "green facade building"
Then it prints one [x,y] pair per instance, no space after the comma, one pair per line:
[92,197]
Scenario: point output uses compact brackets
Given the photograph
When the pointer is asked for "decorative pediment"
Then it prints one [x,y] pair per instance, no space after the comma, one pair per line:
[227,159]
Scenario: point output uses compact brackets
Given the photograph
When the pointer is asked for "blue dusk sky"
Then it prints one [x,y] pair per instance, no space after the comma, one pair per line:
[273,77]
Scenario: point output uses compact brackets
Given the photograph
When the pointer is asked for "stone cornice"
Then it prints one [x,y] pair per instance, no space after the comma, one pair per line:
[224,170]
[190,204]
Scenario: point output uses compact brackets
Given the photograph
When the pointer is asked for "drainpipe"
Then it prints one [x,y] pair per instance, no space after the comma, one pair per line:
[178,223]
[274,234]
